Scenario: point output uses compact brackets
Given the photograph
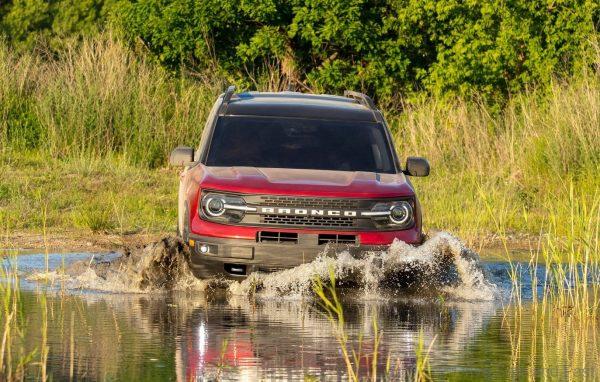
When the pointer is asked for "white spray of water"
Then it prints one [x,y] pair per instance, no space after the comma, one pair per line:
[156,267]
[442,265]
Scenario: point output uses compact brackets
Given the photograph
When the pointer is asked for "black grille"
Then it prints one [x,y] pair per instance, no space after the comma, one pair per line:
[304,202]
[308,221]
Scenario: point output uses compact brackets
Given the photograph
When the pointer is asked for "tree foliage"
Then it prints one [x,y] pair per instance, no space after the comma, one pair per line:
[384,47]
[51,23]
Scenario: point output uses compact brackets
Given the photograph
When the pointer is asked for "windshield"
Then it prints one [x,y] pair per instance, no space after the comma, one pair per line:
[300,144]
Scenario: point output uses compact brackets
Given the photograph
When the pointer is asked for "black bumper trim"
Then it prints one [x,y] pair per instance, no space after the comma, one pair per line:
[257,257]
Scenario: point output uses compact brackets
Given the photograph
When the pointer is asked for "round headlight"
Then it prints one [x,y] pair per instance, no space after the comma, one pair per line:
[214,206]
[401,213]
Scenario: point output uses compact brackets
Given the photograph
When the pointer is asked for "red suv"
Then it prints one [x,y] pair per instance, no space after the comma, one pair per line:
[280,177]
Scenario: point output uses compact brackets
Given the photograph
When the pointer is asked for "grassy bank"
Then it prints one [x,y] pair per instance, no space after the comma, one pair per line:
[101,195]
[84,141]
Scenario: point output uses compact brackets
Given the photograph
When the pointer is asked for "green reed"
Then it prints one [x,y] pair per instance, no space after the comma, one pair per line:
[569,295]
[572,283]
[14,358]
[334,311]
[331,305]
[423,367]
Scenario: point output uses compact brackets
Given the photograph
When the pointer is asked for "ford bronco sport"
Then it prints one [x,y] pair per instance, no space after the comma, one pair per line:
[280,177]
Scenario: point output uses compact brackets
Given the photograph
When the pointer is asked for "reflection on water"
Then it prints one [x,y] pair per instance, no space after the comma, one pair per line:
[178,337]
[191,336]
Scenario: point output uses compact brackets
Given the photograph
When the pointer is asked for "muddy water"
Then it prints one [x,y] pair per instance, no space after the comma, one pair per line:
[142,316]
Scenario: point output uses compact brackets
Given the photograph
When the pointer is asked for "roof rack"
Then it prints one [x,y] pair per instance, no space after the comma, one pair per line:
[366,101]
[363,99]
[226,98]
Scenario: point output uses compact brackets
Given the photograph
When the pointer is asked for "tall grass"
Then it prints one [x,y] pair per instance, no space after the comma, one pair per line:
[572,282]
[569,282]
[99,100]
[521,160]
[96,100]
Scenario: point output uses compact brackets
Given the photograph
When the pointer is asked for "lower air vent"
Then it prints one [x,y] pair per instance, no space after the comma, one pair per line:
[336,239]
[277,237]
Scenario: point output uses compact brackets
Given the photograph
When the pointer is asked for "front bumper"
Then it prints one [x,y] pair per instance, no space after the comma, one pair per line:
[237,258]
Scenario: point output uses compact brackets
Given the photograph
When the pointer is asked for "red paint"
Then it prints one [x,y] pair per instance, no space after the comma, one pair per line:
[277,181]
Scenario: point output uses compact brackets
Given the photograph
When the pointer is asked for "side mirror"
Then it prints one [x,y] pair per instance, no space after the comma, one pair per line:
[181,156]
[416,166]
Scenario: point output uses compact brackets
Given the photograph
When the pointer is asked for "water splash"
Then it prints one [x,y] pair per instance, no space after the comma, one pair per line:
[442,265]
[159,266]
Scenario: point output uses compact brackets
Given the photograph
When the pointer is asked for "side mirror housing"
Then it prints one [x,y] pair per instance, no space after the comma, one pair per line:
[181,156]
[417,166]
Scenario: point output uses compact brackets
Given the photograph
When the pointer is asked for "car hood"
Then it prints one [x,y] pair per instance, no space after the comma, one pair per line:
[303,182]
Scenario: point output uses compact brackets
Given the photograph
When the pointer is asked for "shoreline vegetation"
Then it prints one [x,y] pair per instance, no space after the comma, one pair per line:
[84,141]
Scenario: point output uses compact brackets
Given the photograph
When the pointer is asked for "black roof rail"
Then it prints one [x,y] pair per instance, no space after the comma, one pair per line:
[366,101]
[363,99]
[226,98]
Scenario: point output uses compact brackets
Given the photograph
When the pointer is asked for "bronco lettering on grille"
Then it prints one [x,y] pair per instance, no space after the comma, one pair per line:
[306,212]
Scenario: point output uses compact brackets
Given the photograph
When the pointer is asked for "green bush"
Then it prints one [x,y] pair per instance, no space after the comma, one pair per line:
[51,23]
[383,47]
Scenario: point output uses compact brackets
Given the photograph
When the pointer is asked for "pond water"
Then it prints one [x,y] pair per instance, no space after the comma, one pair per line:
[188,335]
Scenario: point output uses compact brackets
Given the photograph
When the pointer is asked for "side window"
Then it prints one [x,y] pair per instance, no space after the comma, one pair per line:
[206,131]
